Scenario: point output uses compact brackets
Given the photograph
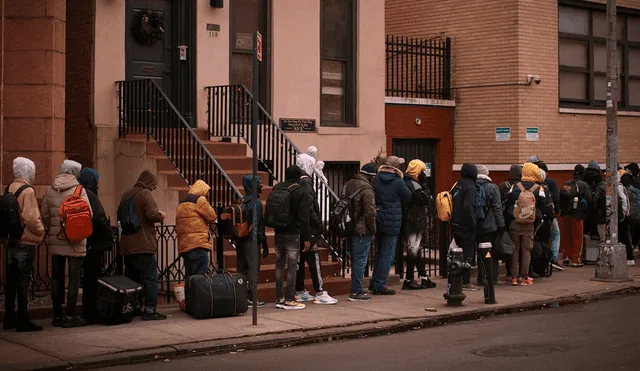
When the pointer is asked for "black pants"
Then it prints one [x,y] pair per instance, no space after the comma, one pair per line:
[625,237]
[415,255]
[20,260]
[464,240]
[312,258]
[58,263]
[488,237]
[143,268]
[245,256]
[92,270]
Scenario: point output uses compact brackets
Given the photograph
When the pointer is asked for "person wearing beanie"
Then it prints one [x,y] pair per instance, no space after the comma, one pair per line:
[62,251]
[555,227]
[464,219]
[363,211]
[575,200]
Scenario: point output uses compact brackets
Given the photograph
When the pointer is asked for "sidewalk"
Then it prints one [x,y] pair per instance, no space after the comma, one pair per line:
[181,335]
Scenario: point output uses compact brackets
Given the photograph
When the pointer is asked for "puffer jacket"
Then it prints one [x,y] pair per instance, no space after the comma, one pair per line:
[193,217]
[463,219]
[63,186]
[597,213]
[143,241]
[391,192]
[29,213]
[363,204]
[494,218]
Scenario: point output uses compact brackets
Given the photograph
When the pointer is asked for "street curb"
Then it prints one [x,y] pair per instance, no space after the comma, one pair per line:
[323,334]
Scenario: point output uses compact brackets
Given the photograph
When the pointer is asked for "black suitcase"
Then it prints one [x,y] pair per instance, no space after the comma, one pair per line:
[118,297]
[221,295]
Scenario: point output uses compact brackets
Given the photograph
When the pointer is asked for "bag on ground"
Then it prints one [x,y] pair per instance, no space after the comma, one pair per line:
[118,298]
[444,204]
[278,209]
[11,227]
[221,295]
[541,259]
[178,292]
[524,210]
[75,218]
[504,245]
[234,221]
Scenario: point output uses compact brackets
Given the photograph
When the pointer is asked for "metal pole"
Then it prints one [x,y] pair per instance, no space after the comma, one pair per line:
[612,260]
[254,188]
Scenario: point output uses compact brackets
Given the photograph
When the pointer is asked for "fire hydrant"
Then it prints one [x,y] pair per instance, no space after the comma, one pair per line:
[457,267]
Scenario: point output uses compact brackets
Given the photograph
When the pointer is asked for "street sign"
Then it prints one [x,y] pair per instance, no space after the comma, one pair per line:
[259,46]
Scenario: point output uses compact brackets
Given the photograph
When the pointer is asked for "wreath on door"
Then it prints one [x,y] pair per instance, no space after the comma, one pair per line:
[148,27]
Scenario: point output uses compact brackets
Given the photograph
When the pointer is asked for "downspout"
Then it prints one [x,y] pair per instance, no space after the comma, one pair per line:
[2,103]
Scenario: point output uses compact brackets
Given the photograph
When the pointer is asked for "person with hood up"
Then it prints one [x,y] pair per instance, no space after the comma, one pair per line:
[624,222]
[308,165]
[193,219]
[245,254]
[313,152]
[321,184]
[575,231]
[140,248]
[597,214]
[631,178]
[463,218]
[515,175]
[522,235]
[100,241]
[21,253]
[391,191]
[62,252]
[492,226]
[555,227]
[414,224]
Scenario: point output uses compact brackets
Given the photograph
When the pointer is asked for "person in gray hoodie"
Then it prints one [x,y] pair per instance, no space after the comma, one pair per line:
[492,226]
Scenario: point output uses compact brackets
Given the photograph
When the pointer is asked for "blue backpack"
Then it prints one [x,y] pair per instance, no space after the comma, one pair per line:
[482,204]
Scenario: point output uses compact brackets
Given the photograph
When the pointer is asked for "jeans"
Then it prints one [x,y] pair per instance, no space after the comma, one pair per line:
[58,263]
[196,261]
[386,253]
[360,246]
[143,268]
[245,256]
[495,255]
[92,269]
[555,240]
[20,260]
[287,253]
[414,256]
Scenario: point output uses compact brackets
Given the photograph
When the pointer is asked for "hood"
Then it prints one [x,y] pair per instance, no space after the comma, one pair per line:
[416,167]
[306,163]
[388,177]
[578,172]
[633,168]
[543,174]
[470,171]
[515,173]
[592,175]
[531,173]
[312,151]
[247,184]
[89,179]
[483,179]
[293,173]
[70,167]
[200,189]
[386,169]
[626,179]
[147,180]
[64,182]
[24,168]
[593,164]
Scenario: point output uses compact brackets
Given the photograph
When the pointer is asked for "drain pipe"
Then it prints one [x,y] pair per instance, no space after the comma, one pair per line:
[2,103]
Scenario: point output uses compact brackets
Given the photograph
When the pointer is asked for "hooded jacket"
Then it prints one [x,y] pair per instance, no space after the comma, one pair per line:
[247,183]
[494,218]
[463,219]
[25,171]
[143,241]
[415,210]
[308,165]
[63,186]
[193,217]
[530,177]
[363,204]
[102,238]
[597,213]
[515,175]
[300,211]
[391,191]
[585,194]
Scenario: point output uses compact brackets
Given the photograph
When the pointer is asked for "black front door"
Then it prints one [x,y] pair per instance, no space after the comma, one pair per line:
[149,61]
[418,149]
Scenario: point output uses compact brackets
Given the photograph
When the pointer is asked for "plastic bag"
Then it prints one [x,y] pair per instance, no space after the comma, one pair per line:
[178,291]
[453,244]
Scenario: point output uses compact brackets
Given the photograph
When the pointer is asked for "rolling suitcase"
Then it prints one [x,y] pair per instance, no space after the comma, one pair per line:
[220,295]
[590,250]
[118,297]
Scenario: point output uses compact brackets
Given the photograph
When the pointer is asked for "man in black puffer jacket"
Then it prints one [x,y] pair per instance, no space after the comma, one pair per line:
[597,213]
[463,219]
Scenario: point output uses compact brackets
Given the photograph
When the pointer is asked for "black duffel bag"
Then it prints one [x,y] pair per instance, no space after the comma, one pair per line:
[220,295]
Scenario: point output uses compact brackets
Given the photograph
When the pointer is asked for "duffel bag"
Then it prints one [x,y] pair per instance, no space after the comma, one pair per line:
[219,295]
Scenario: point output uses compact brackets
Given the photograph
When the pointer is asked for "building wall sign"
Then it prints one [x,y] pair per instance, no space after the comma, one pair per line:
[298,125]
[503,134]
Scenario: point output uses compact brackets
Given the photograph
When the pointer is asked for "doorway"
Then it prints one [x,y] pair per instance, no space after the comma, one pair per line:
[420,149]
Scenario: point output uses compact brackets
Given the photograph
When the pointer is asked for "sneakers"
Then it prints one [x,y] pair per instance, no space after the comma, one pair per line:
[527,282]
[384,291]
[566,261]
[303,296]
[469,287]
[73,321]
[290,305]
[411,285]
[557,266]
[631,263]
[57,322]
[9,322]
[360,297]
[26,325]
[427,283]
[325,299]
[577,265]
[259,304]
[153,317]
[514,281]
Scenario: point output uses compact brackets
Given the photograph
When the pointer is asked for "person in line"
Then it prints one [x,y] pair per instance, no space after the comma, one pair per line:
[596,218]
[140,248]
[574,216]
[21,253]
[463,218]
[62,251]
[555,227]
[515,175]
[414,224]
[194,217]
[624,221]
[100,241]
[492,225]
[245,254]
[634,171]
[391,191]
[363,207]
[289,239]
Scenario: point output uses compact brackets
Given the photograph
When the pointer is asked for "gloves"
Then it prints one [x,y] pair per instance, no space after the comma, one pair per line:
[265,249]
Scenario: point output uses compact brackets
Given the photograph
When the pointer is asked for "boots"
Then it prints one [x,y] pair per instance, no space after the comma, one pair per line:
[427,283]
[411,285]
[25,325]
[9,321]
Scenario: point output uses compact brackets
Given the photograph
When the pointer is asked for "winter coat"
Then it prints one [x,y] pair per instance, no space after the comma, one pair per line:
[415,210]
[315,220]
[530,177]
[33,232]
[63,186]
[193,217]
[494,218]
[585,198]
[555,193]
[363,204]
[102,238]
[391,192]
[463,219]
[247,183]
[300,211]
[597,213]
[144,240]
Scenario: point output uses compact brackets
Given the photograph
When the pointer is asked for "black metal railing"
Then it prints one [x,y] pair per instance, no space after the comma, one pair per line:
[145,109]
[418,68]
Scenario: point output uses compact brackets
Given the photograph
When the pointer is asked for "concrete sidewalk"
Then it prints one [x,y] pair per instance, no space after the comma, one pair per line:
[181,335]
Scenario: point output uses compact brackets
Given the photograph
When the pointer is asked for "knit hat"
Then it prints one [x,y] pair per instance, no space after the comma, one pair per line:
[482,170]
[533,159]
[394,161]
[369,169]
[578,171]
[593,164]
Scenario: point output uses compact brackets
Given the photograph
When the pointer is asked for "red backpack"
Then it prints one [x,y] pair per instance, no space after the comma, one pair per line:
[75,218]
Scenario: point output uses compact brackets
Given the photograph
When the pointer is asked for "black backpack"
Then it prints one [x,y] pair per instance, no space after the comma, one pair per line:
[128,217]
[278,209]
[341,220]
[11,227]
[541,259]
[569,191]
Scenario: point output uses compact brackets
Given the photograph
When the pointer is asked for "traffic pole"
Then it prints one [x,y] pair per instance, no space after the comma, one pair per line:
[257,58]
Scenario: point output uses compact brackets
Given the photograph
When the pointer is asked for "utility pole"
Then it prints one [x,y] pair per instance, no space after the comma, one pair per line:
[612,257]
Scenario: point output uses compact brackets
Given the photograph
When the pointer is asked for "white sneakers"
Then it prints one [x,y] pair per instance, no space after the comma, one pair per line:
[631,263]
[303,296]
[324,298]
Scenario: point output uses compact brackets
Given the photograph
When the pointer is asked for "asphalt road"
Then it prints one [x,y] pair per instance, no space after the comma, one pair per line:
[600,336]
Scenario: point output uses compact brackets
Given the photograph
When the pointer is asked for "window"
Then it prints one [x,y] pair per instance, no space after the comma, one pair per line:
[582,57]
[337,97]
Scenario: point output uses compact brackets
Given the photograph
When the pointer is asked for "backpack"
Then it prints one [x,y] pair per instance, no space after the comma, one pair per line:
[342,220]
[482,204]
[541,259]
[524,210]
[128,216]
[444,204]
[278,209]
[11,227]
[634,205]
[75,218]
[569,191]
[234,221]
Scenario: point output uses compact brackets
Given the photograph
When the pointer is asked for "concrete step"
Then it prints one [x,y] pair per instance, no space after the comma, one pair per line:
[215,148]
[226,162]
[334,285]
[230,257]
[268,271]
[174,179]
